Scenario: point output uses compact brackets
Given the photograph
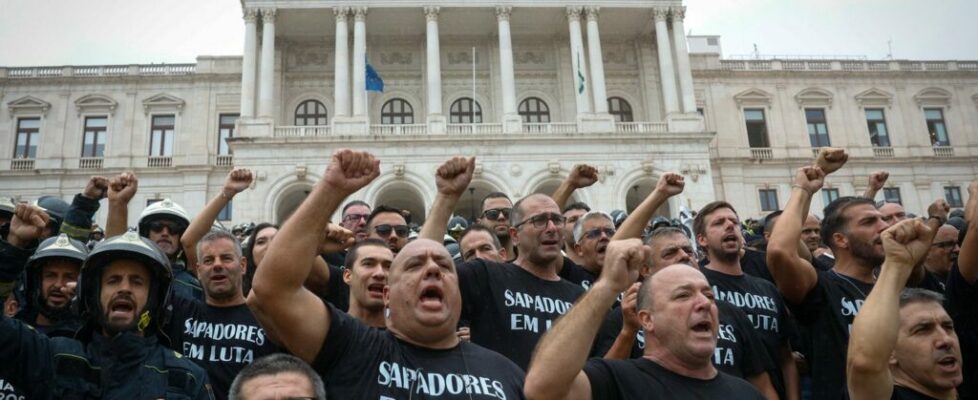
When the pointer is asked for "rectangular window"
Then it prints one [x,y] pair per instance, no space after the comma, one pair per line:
[818,130]
[769,199]
[756,127]
[161,136]
[150,202]
[829,195]
[93,140]
[892,195]
[876,121]
[28,134]
[936,127]
[953,196]
[225,131]
[225,214]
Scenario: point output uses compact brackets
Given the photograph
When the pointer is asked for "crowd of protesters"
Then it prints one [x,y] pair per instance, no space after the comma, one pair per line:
[538,298]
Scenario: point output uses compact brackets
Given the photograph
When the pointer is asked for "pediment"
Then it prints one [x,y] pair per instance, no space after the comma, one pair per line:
[814,97]
[753,96]
[95,103]
[874,97]
[933,96]
[163,101]
[28,104]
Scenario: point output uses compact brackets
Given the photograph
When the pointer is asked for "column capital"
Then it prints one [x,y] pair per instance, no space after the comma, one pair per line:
[431,13]
[574,13]
[359,14]
[592,12]
[250,15]
[660,14]
[503,13]
[678,13]
[342,13]
[268,15]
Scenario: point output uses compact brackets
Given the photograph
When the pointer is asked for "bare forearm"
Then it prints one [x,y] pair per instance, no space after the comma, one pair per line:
[793,275]
[562,194]
[436,224]
[118,219]
[870,193]
[635,224]
[792,385]
[874,331]
[622,347]
[968,257]
[202,222]
[318,279]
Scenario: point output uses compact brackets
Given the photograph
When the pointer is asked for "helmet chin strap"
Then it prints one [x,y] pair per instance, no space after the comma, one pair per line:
[144,320]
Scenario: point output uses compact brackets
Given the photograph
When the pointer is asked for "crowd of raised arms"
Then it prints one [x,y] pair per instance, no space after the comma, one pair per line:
[538,298]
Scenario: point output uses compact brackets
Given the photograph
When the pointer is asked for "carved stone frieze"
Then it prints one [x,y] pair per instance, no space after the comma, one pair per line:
[530,57]
[396,58]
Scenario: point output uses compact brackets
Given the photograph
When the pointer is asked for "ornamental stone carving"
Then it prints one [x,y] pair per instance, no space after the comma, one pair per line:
[678,13]
[553,167]
[342,13]
[515,170]
[660,14]
[359,14]
[592,13]
[461,57]
[503,13]
[396,57]
[530,57]
[250,15]
[574,13]
[431,13]
[268,15]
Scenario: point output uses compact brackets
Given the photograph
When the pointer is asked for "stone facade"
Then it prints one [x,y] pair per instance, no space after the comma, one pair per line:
[691,120]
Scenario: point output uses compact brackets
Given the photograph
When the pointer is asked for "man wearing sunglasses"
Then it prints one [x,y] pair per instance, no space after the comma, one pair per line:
[509,306]
[591,233]
[940,258]
[388,224]
[496,210]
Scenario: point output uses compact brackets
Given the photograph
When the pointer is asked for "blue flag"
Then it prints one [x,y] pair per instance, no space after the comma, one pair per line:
[374,82]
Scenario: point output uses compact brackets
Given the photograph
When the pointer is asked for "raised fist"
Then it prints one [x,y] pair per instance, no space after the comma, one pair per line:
[123,187]
[336,239]
[629,309]
[830,159]
[907,242]
[623,261]
[350,171]
[939,209]
[671,184]
[27,225]
[453,177]
[877,180]
[238,180]
[810,178]
[582,176]
[97,188]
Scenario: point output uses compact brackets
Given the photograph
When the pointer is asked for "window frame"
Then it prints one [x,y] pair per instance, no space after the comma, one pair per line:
[540,115]
[306,115]
[952,194]
[765,198]
[389,116]
[932,125]
[165,133]
[892,195]
[222,147]
[99,132]
[458,115]
[829,195]
[876,138]
[622,111]
[815,138]
[762,123]
[32,135]
[226,212]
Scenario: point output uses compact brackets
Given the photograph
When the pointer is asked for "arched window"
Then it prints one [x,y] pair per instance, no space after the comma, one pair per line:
[396,112]
[465,111]
[620,108]
[310,112]
[533,109]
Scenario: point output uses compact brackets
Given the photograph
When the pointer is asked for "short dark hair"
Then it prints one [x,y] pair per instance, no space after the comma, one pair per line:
[917,295]
[516,216]
[699,221]
[218,235]
[770,219]
[480,228]
[577,205]
[275,364]
[493,195]
[352,253]
[249,255]
[382,209]
[834,220]
[354,203]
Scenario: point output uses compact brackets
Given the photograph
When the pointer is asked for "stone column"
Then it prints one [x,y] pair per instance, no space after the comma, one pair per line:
[578,68]
[266,84]
[682,61]
[506,61]
[436,120]
[666,71]
[360,62]
[596,59]
[341,75]
[248,63]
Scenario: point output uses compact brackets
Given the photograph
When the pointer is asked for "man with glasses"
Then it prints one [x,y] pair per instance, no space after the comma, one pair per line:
[354,218]
[509,306]
[496,210]
[388,224]
[592,233]
[940,258]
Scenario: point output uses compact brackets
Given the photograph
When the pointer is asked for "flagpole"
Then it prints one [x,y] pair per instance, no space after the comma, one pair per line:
[472,106]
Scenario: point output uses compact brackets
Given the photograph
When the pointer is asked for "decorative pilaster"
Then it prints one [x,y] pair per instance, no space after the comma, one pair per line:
[433,53]
[511,119]
[667,73]
[682,61]
[266,86]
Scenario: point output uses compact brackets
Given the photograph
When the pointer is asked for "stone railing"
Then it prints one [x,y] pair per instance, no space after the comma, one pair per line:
[761,153]
[290,131]
[943,151]
[641,127]
[159,162]
[543,128]
[846,65]
[474,129]
[883,152]
[22,164]
[90,163]
[99,70]
[549,127]
[225,160]
[399,129]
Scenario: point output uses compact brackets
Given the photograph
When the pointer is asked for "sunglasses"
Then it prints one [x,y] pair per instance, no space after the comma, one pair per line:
[173,227]
[494,213]
[540,221]
[385,230]
[596,233]
[355,217]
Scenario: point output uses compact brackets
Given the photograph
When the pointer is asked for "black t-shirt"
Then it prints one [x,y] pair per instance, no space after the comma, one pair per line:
[509,309]
[754,263]
[763,304]
[823,262]
[222,340]
[641,378]
[360,362]
[962,305]
[902,393]
[338,258]
[828,311]
[608,333]
[933,282]
[577,275]
[337,292]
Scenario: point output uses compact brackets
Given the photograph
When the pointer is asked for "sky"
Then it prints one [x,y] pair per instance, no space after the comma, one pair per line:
[73,32]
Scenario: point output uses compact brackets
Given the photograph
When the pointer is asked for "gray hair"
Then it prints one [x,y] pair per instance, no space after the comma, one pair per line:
[272,365]
[917,295]
[216,235]
[579,226]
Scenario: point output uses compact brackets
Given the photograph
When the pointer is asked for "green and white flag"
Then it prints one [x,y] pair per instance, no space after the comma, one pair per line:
[580,74]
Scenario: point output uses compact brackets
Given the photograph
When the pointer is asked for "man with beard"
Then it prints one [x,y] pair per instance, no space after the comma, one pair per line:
[123,294]
[508,306]
[679,316]
[388,225]
[419,354]
[220,334]
[903,345]
[940,258]
[162,222]
[496,211]
[717,230]
[827,301]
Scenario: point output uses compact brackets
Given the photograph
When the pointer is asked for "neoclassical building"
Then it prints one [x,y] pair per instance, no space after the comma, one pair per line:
[529,87]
